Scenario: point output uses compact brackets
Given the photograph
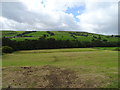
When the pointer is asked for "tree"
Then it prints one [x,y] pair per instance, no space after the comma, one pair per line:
[7,49]
[105,40]
[99,37]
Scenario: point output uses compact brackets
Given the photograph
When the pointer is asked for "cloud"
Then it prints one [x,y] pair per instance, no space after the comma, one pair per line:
[98,17]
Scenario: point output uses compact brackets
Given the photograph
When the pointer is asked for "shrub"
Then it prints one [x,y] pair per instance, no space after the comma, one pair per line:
[117,49]
[7,49]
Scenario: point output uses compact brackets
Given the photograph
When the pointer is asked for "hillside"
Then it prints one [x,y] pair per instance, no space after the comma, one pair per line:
[57,35]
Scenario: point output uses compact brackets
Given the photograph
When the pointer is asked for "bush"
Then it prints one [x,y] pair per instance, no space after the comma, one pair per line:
[117,49]
[7,49]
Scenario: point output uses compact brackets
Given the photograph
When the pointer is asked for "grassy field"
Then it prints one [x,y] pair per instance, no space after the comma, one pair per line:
[10,33]
[107,48]
[58,35]
[93,67]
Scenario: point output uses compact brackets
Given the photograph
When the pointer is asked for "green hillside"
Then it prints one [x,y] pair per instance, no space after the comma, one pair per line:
[58,35]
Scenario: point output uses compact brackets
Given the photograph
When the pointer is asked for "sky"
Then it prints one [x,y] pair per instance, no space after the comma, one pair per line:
[95,16]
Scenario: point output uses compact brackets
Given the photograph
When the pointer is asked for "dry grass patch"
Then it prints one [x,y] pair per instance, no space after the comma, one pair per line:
[49,77]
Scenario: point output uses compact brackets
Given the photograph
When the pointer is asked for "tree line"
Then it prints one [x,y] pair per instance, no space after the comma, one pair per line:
[51,43]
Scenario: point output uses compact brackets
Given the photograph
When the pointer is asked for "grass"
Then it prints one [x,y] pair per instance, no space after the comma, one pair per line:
[85,61]
[37,34]
[107,48]
[11,33]
[23,38]
[81,56]
[58,35]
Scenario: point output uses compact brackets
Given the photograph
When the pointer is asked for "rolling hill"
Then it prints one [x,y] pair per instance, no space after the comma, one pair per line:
[57,35]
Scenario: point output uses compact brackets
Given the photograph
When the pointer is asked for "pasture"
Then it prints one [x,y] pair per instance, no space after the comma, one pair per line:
[79,67]
[58,35]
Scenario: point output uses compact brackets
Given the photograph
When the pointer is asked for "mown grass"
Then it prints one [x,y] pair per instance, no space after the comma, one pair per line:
[83,60]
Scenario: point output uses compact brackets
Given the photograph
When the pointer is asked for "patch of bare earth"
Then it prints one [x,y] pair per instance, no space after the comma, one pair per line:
[48,77]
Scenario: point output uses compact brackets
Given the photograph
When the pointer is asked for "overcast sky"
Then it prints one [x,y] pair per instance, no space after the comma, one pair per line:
[61,15]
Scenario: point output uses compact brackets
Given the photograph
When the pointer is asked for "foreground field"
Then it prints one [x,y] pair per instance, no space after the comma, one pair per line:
[77,67]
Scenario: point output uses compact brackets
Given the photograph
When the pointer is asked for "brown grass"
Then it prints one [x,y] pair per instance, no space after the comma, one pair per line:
[48,77]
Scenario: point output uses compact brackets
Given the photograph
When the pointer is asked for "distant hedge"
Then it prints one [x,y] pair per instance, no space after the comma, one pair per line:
[7,49]
[51,43]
